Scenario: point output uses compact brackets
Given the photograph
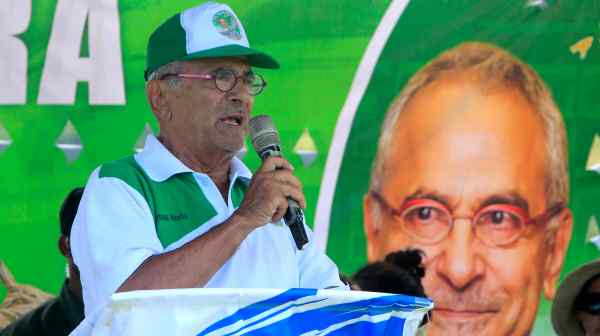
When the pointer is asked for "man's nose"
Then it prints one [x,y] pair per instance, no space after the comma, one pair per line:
[460,263]
[239,93]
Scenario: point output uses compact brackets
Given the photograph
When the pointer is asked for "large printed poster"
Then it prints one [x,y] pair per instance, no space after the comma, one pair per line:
[463,128]
[441,156]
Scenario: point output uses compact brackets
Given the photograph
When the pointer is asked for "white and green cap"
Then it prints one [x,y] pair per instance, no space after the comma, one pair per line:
[208,30]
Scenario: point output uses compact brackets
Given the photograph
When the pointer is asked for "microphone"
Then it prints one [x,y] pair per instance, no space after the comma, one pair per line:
[265,140]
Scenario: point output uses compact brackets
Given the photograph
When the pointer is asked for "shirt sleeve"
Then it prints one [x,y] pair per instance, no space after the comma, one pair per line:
[317,270]
[113,233]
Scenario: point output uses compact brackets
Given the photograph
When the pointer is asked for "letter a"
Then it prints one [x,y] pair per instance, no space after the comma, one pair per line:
[14,20]
[103,70]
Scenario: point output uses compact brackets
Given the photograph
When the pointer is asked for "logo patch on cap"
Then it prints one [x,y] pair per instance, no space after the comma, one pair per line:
[227,24]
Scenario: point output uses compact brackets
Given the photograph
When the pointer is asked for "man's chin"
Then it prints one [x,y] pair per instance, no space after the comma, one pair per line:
[232,145]
[233,150]
[461,323]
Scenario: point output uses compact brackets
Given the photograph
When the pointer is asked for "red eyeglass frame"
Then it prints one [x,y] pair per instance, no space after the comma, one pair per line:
[423,202]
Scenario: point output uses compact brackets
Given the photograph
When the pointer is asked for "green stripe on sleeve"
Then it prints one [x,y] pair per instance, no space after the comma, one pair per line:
[178,205]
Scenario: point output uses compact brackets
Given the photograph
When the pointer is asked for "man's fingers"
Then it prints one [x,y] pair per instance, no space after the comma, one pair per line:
[269,191]
[287,178]
[280,212]
[275,163]
[295,194]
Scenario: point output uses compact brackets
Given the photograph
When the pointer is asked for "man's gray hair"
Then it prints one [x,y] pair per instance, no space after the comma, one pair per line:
[495,65]
[169,68]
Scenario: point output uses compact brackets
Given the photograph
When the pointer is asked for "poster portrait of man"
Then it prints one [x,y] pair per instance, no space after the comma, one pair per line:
[471,168]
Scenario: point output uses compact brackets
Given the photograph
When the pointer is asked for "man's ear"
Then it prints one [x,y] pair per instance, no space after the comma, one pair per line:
[155,93]
[63,246]
[371,227]
[557,252]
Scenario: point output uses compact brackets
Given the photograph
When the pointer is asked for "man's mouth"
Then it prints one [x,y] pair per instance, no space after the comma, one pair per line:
[462,314]
[233,120]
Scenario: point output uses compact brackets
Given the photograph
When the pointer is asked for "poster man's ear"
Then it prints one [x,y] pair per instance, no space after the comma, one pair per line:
[371,227]
[557,252]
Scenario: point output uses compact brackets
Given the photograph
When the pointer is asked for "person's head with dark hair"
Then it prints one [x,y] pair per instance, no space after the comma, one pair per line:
[66,215]
[399,273]
[576,308]
[348,281]
[68,210]
[59,315]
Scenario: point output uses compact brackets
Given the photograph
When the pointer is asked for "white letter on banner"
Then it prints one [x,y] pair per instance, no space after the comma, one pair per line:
[14,20]
[103,70]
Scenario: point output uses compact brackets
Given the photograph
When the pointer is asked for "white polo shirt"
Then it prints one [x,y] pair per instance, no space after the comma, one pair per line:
[151,203]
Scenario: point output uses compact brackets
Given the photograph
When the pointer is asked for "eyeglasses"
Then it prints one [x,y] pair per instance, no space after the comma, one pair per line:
[496,225]
[226,79]
[588,303]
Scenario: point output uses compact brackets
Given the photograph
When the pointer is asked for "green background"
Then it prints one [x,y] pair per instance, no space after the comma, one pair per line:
[319,44]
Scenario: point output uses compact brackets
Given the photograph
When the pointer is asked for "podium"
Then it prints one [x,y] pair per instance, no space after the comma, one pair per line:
[256,312]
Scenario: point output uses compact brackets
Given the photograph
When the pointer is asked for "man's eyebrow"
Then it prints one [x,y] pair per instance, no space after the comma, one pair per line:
[231,67]
[421,193]
[510,198]
[216,68]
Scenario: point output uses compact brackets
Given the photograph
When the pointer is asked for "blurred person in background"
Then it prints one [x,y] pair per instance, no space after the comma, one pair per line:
[576,307]
[399,273]
[58,316]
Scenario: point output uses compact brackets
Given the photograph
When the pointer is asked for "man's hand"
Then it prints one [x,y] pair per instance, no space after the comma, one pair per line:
[266,199]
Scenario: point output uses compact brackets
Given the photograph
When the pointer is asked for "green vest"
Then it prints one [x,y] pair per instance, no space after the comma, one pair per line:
[178,204]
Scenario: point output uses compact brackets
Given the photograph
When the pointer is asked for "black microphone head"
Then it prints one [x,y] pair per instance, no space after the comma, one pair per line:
[263,133]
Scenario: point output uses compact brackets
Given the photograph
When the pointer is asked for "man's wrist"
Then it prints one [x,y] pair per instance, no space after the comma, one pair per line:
[241,224]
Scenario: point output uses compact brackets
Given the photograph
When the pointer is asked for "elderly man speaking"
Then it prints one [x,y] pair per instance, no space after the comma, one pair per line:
[185,212]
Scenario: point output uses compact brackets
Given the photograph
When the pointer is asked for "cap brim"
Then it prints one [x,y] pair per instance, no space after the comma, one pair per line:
[256,58]
[563,319]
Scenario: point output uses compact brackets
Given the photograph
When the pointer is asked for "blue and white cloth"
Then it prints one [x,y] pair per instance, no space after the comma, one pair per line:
[258,312]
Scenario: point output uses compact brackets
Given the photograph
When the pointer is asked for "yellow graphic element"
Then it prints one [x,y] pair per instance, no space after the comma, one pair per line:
[593,235]
[582,46]
[306,148]
[305,143]
[593,162]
